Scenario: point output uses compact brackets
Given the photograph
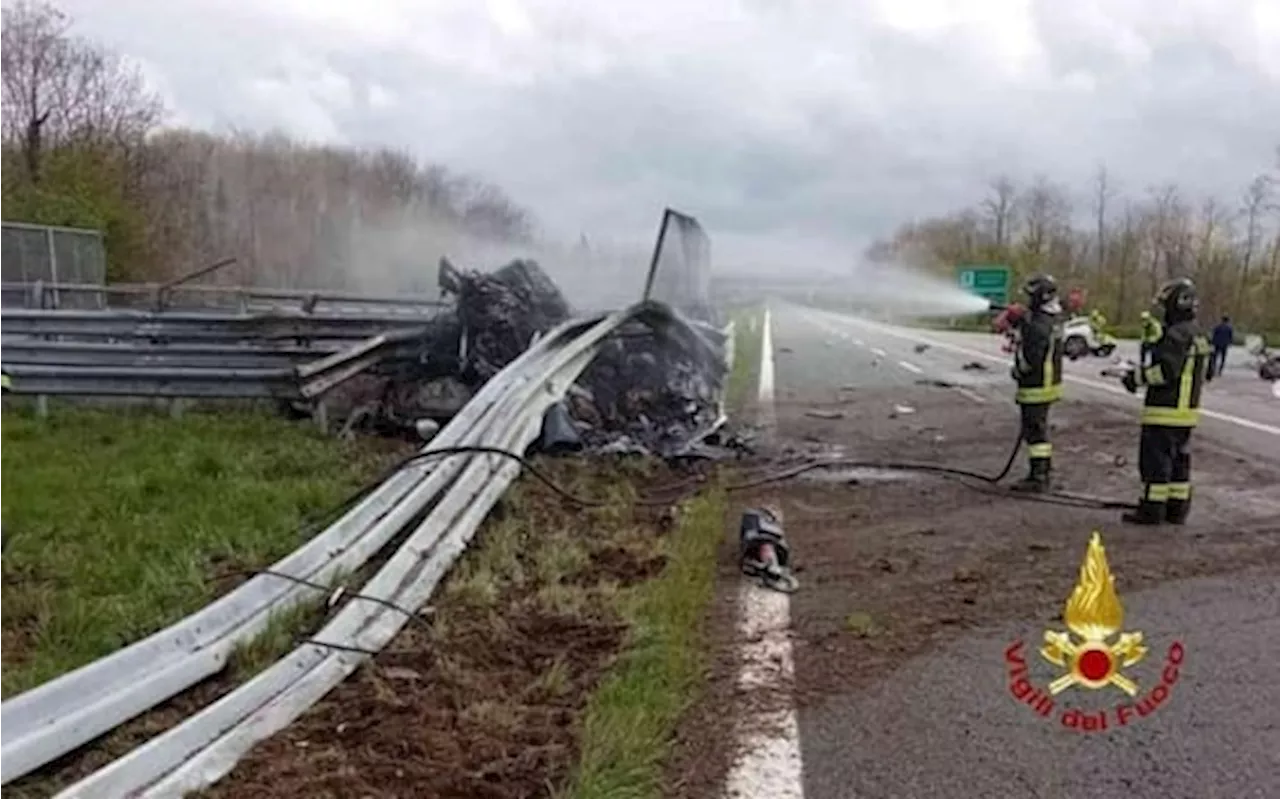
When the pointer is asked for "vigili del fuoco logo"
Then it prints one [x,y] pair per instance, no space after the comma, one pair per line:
[1092,654]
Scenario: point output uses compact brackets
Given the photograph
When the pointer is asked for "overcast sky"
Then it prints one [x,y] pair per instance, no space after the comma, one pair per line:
[773,121]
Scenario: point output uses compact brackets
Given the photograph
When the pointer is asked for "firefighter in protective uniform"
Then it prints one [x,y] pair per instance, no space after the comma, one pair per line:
[1037,369]
[1175,356]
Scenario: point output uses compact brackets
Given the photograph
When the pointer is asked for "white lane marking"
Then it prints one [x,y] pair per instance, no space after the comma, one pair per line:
[768,415]
[860,342]
[769,763]
[911,367]
[964,392]
[1224,417]
[879,352]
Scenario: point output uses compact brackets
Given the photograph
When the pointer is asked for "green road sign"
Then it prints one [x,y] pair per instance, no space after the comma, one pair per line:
[990,282]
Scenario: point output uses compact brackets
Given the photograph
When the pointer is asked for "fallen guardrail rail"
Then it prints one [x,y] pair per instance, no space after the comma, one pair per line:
[54,719]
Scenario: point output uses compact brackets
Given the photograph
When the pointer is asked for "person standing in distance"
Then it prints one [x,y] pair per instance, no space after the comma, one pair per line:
[1037,368]
[1223,335]
[1173,371]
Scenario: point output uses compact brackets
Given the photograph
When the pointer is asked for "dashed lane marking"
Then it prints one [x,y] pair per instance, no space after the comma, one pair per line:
[769,763]
[911,367]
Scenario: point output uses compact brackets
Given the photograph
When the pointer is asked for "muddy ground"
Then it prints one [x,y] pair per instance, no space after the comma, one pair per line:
[483,696]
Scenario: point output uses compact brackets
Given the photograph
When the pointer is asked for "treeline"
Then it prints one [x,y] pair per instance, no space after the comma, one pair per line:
[1118,247]
[84,145]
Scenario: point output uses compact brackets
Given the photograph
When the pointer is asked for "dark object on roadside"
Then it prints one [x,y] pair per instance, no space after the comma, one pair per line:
[559,434]
[764,551]
[818,414]
[975,366]
[500,313]
[921,347]
[649,391]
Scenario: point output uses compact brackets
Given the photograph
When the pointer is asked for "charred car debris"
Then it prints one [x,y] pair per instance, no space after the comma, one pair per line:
[655,390]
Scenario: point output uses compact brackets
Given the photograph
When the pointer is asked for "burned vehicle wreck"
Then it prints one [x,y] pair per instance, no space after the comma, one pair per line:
[651,389]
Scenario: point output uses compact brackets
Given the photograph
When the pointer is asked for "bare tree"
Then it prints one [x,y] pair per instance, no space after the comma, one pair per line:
[999,208]
[1256,198]
[60,89]
[1044,210]
[1102,194]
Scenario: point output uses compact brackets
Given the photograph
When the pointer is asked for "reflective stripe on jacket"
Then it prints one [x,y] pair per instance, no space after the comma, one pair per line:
[1173,370]
[1038,362]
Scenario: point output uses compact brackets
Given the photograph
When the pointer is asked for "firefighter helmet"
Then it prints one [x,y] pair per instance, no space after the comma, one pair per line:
[1177,300]
[1041,290]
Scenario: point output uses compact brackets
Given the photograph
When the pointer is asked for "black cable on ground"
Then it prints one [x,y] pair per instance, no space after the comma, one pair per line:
[338,591]
[1068,500]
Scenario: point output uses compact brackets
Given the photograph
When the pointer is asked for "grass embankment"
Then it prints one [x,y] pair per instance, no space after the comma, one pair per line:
[631,718]
[117,523]
[747,337]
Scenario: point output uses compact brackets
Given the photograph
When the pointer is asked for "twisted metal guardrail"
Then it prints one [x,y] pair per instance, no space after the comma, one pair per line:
[55,718]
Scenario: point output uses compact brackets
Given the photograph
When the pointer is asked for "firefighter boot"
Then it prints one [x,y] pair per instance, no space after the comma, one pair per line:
[1037,480]
[1177,510]
[1148,512]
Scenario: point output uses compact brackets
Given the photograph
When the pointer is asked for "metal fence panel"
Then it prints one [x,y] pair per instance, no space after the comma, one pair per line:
[50,254]
[680,274]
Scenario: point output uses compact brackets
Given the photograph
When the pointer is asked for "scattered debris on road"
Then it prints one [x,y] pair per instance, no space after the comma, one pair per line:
[901,410]
[817,414]
[935,383]
[975,366]
[921,348]
[764,551]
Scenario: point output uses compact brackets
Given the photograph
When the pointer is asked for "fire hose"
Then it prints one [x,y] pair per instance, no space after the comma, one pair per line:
[765,552]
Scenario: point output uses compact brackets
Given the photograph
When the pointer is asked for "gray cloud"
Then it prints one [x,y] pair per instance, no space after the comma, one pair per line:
[779,124]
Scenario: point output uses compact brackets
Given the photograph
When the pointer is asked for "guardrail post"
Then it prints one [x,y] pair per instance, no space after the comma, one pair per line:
[321,414]
[176,406]
[37,301]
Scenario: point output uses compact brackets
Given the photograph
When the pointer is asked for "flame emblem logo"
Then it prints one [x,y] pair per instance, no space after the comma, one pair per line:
[1093,616]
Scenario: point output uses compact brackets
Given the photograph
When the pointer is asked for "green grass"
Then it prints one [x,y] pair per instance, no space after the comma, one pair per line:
[746,357]
[632,716]
[117,523]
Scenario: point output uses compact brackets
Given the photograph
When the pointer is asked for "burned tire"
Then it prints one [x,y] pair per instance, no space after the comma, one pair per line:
[1075,347]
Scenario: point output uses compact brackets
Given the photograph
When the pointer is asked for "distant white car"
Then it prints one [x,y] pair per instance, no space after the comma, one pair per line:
[1268,361]
[1080,339]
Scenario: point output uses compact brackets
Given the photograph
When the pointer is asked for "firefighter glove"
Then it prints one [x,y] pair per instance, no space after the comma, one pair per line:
[1130,381]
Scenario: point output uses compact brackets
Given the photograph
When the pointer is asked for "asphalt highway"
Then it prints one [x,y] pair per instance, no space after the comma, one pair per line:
[943,723]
